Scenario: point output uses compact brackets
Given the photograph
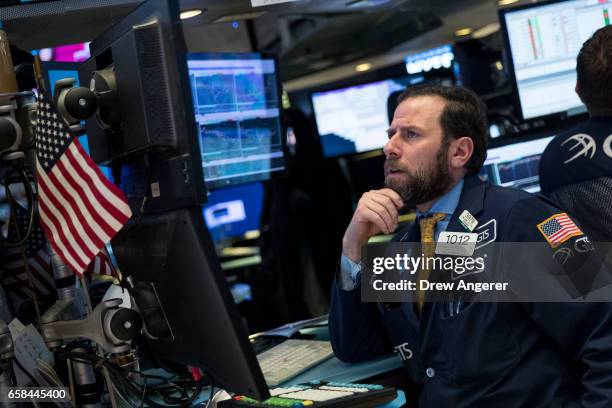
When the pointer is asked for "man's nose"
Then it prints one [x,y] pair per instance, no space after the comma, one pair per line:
[392,148]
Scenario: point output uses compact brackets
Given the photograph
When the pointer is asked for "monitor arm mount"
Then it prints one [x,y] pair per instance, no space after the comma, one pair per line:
[76,104]
[110,326]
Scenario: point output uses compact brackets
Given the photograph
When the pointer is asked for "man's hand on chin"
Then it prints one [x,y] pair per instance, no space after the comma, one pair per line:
[376,212]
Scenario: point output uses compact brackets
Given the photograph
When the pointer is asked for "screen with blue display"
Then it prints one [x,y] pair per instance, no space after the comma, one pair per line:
[54,71]
[237,107]
[232,211]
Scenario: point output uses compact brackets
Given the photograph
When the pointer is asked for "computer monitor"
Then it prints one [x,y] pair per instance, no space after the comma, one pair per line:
[145,129]
[233,211]
[237,106]
[543,40]
[64,53]
[354,119]
[516,164]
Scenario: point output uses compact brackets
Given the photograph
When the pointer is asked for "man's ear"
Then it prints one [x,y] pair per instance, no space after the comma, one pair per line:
[460,152]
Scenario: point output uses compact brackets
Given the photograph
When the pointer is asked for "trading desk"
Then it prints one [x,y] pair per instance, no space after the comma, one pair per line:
[377,370]
[338,371]
[335,370]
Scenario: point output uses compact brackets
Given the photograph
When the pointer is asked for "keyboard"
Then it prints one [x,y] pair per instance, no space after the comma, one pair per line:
[292,357]
[263,343]
[319,394]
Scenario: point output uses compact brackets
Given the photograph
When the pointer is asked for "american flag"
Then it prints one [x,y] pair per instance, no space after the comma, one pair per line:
[80,210]
[100,265]
[14,277]
[558,229]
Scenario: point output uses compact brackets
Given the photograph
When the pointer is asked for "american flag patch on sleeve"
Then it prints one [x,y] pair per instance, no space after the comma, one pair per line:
[558,229]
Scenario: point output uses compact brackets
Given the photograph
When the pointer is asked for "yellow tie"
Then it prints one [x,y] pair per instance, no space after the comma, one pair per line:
[428,226]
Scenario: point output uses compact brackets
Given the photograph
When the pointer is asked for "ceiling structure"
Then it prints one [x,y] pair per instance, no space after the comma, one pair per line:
[317,40]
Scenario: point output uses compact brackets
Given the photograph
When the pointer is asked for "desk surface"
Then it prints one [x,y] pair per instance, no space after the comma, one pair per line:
[338,371]
[335,370]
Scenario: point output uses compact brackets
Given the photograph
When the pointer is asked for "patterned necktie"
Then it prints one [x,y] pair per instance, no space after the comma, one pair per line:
[428,226]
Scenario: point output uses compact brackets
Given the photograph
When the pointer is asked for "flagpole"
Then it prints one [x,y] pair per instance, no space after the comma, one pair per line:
[40,82]
[110,261]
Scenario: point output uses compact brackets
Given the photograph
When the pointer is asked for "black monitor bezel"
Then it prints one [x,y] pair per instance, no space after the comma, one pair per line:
[247,55]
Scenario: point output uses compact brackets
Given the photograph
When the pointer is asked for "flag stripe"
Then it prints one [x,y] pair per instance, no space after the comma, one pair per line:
[65,210]
[109,191]
[564,231]
[57,236]
[36,264]
[108,213]
[18,290]
[562,237]
[43,269]
[90,230]
[21,279]
[62,224]
[32,254]
[101,228]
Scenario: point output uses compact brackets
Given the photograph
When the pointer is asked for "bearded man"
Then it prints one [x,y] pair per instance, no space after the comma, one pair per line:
[468,354]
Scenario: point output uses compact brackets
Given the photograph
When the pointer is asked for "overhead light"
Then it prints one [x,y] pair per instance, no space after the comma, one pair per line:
[190,13]
[463,31]
[363,67]
[498,65]
[486,30]
[238,17]
[506,2]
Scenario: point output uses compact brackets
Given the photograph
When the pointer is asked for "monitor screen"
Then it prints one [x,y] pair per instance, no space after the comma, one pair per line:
[65,53]
[237,107]
[354,119]
[544,41]
[516,164]
[233,211]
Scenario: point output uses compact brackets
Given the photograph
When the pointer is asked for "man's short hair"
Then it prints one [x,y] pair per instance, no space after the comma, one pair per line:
[594,71]
[464,114]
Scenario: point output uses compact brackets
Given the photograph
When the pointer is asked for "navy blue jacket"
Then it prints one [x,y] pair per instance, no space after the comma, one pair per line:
[576,173]
[489,354]
[580,154]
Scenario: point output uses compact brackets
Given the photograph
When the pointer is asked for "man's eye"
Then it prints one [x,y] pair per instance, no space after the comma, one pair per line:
[411,134]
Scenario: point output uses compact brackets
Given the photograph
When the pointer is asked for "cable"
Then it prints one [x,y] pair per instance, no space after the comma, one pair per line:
[125,384]
[26,372]
[32,379]
[23,176]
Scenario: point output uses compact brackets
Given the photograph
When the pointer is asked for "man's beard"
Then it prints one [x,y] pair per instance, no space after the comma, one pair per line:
[424,184]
